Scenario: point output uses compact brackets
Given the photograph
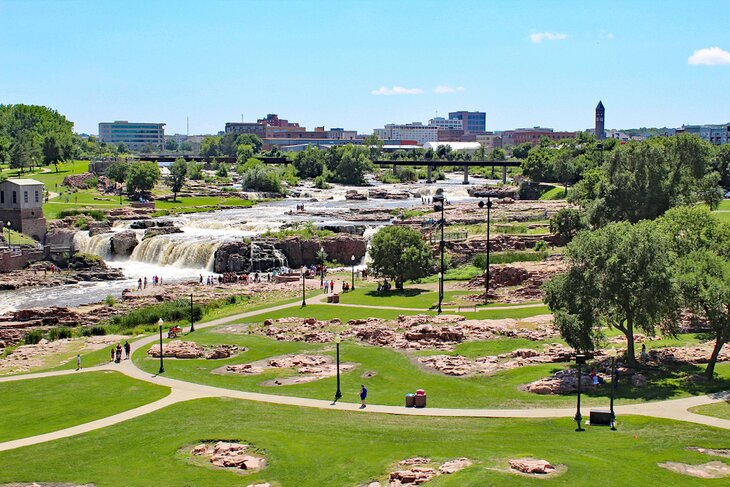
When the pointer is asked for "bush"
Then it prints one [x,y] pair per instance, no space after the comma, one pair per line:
[260,178]
[33,337]
[508,257]
[320,182]
[97,331]
[59,333]
[109,300]
[566,223]
[540,246]
[97,215]
[171,311]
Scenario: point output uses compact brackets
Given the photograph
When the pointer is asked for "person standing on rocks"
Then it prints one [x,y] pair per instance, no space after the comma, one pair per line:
[139,284]
[127,350]
[363,396]
[145,282]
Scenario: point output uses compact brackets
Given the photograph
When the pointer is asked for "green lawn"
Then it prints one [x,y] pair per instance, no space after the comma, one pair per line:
[34,406]
[555,193]
[312,447]
[718,410]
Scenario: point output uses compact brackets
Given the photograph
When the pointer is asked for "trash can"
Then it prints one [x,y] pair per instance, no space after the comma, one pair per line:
[410,400]
[335,298]
[420,400]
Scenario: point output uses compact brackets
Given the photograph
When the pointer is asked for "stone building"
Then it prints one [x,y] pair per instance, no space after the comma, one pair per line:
[21,204]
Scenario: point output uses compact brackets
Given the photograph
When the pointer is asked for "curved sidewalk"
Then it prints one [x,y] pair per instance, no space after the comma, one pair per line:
[675,409]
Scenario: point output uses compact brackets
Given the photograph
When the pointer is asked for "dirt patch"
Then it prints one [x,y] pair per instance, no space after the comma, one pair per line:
[308,368]
[709,470]
[721,452]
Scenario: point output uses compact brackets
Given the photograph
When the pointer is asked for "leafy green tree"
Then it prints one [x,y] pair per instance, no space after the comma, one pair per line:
[250,139]
[704,281]
[117,171]
[148,148]
[309,162]
[142,177]
[53,153]
[538,166]
[178,174]
[171,144]
[352,166]
[566,224]
[619,276]
[186,146]
[24,151]
[721,164]
[257,176]
[210,146]
[122,148]
[400,253]
[222,171]
[195,171]
[522,151]
[499,154]
[244,152]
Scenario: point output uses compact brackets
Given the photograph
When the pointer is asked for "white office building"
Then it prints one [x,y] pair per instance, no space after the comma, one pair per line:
[410,131]
[134,135]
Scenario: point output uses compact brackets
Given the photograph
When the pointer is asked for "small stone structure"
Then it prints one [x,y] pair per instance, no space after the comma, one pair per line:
[21,204]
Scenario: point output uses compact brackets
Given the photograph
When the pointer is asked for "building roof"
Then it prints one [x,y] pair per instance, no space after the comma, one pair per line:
[600,105]
[24,181]
[453,145]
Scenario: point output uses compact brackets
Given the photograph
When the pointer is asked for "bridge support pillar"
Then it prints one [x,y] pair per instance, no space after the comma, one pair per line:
[504,174]
[466,175]
[428,174]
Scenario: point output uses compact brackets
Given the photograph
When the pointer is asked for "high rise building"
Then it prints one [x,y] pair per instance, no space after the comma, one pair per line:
[600,125]
[471,121]
[134,135]
[409,131]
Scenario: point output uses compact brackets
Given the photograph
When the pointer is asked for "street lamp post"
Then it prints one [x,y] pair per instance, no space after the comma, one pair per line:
[489,221]
[353,272]
[304,282]
[162,365]
[10,246]
[579,360]
[338,394]
[612,417]
[439,199]
[192,316]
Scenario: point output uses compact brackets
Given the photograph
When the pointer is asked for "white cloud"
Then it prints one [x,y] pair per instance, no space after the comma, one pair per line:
[709,56]
[397,90]
[448,89]
[538,37]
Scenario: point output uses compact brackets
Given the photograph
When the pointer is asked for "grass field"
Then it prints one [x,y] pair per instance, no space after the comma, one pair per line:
[36,406]
[311,447]
[718,410]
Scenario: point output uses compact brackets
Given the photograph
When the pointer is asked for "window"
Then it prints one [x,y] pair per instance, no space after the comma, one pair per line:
[37,198]
[15,197]
[25,196]
[2,197]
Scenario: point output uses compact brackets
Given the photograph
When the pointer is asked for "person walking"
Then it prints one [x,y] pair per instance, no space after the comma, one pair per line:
[363,396]
[332,286]
[119,353]
[113,351]
[78,361]
[127,350]
[326,287]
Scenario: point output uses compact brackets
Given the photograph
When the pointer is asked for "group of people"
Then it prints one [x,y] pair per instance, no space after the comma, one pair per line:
[300,207]
[142,283]
[116,352]
[234,278]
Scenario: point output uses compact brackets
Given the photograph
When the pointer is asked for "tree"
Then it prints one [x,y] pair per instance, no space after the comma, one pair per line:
[619,276]
[195,171]
[522,151]
[257,176]
[186,146]
[252,140]
[148,148]
[178,174]
[566,224]
[171,144]
[704,281]
[244,152]
[117,171]
[400,253]
[52,151]
[210,146]
[142,177]
[122,148]
[309,162]
[222,171]
[352,166]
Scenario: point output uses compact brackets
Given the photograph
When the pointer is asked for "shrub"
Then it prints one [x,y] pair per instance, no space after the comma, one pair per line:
[97,215]
[98,331]
[566,223]
[109,300]
[170,311]
[59,333]
[540,246]
[508,257]
[261,178]
[33,337]
[320,182]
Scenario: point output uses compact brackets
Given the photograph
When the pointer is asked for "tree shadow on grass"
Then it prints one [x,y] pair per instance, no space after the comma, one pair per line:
[400,293]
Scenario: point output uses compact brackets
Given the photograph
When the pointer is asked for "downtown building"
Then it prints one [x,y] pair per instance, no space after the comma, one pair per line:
[714,134]
[471,122]
[533,136]
[415,131]
[135,135]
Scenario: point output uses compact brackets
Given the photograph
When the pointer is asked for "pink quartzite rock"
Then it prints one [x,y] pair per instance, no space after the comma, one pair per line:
[531,465]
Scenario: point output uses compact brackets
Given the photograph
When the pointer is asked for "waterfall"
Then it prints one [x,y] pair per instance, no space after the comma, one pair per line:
[100,245]
[176,251]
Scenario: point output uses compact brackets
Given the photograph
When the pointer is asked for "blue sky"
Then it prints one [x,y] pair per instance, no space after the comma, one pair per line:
[336,63]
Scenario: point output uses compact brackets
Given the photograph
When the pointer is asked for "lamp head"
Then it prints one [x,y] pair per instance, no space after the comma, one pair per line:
[160,322]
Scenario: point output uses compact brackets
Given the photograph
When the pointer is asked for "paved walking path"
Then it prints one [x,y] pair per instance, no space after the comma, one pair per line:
[675,409]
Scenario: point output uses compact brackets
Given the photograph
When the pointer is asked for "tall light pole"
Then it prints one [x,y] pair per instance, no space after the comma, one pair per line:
[338,394]
[304,281]
[353,272]
[162,365]
[10,246]
[192,316]
[439,199]
[612,417]
[579,360]
[489,224]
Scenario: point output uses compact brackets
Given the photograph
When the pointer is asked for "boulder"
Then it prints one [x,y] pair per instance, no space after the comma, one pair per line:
[352,194]
[97,228]
[532,466]
[79,181]
[123,243]
[453,466]
[156,231]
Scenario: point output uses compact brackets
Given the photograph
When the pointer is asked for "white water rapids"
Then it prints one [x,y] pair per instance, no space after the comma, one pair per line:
[189,254]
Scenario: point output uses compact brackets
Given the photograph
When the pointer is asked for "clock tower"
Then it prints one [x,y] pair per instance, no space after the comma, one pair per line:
[600,126]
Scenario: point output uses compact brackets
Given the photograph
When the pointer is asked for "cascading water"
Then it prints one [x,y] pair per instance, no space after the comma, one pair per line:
[100,245]
[179,251]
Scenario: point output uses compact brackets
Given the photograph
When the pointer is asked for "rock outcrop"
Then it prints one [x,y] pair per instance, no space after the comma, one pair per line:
[123,243]
[531,466]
